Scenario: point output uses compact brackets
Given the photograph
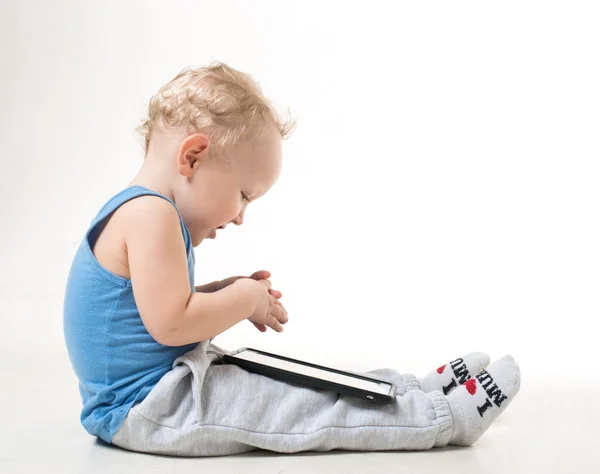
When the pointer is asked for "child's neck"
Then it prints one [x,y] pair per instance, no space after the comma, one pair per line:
[158,171]
[155,174]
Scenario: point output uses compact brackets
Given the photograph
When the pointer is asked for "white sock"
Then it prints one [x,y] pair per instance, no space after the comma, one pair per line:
[453,374]
[477,403]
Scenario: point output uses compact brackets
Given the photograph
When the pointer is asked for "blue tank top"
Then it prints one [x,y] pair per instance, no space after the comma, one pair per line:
[114,357]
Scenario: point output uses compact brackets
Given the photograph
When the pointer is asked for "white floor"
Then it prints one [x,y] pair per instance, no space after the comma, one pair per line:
[551,427]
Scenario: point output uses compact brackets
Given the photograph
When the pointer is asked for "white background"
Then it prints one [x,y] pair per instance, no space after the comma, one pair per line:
[439,196]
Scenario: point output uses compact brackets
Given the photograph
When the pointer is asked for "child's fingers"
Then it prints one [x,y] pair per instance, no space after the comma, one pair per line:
[260,327]
[276,325]
[280,313]
[276,293]
[281,304]
[267,283]
[261,275]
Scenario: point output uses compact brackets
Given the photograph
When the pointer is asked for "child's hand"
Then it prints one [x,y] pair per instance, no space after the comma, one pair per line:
[269,311]
[259,275]
[264,275]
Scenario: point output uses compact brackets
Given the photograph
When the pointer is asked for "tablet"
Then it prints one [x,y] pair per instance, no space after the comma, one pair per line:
[312,375]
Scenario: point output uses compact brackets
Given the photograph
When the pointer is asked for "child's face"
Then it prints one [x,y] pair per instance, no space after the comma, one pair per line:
[219,190]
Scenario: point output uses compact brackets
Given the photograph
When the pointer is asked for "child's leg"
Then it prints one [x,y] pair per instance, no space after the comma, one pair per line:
[205,408]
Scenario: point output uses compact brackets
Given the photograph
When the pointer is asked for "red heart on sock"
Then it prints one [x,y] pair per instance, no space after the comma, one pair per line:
[441,369]
[470,386]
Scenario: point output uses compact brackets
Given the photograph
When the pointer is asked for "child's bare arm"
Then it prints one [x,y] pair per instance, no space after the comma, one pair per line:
[171,313]
[220,284]
[217,285]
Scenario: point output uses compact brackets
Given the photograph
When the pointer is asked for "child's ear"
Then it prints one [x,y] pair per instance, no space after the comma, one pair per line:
[193,149]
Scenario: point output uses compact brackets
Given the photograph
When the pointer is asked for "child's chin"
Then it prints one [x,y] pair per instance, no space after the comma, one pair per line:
[197,241]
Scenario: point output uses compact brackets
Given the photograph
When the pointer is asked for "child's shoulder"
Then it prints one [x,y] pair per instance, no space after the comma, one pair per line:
[147,205]
[141,218]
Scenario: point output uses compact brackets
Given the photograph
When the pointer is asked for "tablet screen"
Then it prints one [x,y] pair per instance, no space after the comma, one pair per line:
[249,355]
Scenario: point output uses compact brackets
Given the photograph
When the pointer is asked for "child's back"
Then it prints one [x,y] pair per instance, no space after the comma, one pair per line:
[115,358]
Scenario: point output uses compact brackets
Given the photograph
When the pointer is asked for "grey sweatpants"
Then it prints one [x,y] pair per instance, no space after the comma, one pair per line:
[204,407]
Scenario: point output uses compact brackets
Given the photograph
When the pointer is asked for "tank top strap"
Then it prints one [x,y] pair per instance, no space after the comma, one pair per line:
[131,193]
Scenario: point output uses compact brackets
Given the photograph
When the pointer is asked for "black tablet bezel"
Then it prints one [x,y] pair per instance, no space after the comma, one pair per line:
[311,381]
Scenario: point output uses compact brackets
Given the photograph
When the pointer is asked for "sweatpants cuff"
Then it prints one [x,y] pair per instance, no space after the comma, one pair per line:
[411,382]
[443,417]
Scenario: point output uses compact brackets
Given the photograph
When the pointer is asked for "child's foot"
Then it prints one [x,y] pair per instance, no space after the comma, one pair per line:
[477,403]
[455,373]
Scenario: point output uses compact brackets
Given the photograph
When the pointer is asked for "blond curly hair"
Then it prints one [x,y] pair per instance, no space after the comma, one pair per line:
[218,100]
